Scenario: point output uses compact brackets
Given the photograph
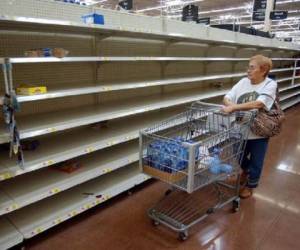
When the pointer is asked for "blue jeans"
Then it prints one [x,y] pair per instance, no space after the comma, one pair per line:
[253,160]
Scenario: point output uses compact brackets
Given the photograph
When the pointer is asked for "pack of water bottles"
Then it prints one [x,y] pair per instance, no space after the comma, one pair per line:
[171,156]
[168,155]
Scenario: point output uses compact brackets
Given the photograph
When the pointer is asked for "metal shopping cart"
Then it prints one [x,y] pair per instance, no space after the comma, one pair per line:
[195,152]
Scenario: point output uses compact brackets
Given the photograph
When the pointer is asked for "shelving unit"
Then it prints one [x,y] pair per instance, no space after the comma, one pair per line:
[121,77]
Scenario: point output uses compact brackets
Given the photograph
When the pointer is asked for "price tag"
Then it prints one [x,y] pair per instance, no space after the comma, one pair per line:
[51,130]
[6,176]
[38,230]
[57,221]
[90,149]
[14,207]
[48,163]
[55,190]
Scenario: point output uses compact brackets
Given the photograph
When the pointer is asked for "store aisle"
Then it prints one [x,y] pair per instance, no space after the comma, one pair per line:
[268,220]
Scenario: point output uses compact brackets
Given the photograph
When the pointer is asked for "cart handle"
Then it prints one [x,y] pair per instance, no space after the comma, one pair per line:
[212,105]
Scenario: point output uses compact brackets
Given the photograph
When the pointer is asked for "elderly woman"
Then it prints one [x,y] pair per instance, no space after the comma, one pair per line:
[253,92]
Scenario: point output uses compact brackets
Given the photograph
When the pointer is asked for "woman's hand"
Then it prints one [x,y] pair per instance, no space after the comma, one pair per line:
[228,109]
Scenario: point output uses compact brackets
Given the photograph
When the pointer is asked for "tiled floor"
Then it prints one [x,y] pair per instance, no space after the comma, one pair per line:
[268,220]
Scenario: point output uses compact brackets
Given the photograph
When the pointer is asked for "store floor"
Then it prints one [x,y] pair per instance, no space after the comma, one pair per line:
[268,220]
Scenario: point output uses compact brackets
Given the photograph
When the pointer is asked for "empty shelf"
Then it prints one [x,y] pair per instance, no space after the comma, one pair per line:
[9,236]
[122,86]
[116,59]
[79,142]
[38,217]
[289,87]
[38,185]
[35,125]
[290,103]
[288,96]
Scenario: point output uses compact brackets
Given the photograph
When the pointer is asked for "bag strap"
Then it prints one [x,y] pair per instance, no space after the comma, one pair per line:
[276,103]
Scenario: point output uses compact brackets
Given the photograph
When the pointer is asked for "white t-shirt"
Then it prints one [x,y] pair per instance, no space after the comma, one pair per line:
[245,91]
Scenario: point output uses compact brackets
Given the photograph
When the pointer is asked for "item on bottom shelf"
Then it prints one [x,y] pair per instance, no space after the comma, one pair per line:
[30,145]
[99,125]
[47,52]
[26,89]
[93,18]
[68,166]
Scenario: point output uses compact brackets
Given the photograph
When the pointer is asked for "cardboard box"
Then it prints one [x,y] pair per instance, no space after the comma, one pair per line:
[164,176]
[31,90]
[93,18]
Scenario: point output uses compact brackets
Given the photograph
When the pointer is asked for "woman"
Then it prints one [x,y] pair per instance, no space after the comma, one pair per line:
[248,94]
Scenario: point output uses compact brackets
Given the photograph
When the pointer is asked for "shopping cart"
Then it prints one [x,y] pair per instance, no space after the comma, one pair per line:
[195,152]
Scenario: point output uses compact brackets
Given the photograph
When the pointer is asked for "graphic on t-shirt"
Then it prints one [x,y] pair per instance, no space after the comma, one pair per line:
[248,97]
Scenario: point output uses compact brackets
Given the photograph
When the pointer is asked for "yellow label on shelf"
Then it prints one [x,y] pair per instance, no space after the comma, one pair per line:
[58,221]
[51,130]
[5,176]
[39,230]
[14,206]
[74,213]
[55,190]
[87,206]
[48,163]
[90,149]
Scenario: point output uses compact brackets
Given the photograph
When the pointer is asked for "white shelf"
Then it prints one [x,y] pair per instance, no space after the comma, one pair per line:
[281,70]
[123,86]
[288,96]
[9,236]
[79,142]
[7,204]
[290,103]
[38,185]
[18,60]
[38,217]
[284,79]
[151,28]
[289,87]
[36,125]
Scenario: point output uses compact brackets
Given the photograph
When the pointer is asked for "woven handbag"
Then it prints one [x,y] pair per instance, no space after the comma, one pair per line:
[268,123]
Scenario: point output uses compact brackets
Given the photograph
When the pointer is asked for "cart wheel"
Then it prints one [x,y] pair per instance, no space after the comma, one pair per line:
[155,223]
[183,235]
[236,205]
[168,192]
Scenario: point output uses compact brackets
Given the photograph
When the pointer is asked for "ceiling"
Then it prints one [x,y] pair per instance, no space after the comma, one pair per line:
[219,11]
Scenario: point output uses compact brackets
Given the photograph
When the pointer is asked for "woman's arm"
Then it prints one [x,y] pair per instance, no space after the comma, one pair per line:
[243,106]
[227,102]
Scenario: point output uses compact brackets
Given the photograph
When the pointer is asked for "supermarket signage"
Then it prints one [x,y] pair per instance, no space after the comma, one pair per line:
[258,16]
[126,4]
[259,5]
[205,20]
[278,15]
[190,13]
[259,9]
